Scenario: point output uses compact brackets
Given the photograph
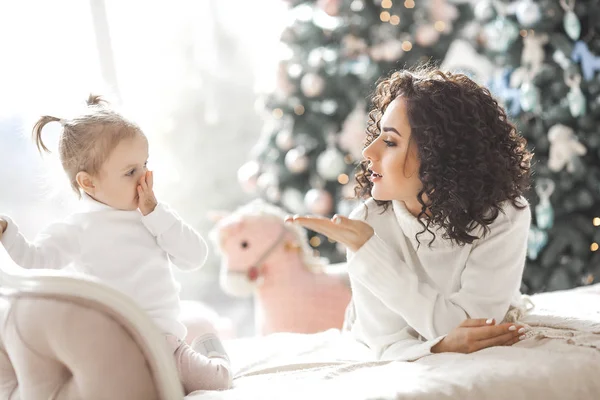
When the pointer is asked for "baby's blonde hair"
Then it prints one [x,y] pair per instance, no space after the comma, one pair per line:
[87,140]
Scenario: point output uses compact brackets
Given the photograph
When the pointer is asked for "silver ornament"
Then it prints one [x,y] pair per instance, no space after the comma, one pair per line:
[528,13]
[319,201]
[483,10]
[312,85]
[284,140]
[296,160]
[330,164]
[293,200]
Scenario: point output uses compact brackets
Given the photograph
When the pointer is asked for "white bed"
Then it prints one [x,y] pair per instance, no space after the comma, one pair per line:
[286,366]
[111,350]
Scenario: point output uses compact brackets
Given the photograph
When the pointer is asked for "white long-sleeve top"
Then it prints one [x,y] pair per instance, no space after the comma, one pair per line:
[128,251]
[408,297]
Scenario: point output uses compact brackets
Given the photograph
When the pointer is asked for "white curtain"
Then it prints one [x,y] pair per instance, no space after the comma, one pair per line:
[187,71]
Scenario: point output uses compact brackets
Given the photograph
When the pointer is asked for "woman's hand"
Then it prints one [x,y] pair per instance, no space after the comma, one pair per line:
[477,334]
[3,226]
[350,232]
[146,199]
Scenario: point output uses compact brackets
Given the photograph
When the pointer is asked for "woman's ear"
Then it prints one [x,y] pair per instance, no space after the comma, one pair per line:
[85,182]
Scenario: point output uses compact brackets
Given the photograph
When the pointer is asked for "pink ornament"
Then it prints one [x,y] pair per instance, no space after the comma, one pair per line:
[331,7]
[285,140]
[284,86]
[319,201]
[292,291]
[352,137]
[312,85]
[296,160]
[390,50]
[248,176]
[426,35]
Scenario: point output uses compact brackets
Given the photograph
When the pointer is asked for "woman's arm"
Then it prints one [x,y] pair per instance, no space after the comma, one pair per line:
[53,248]
[186,248]
[491,277]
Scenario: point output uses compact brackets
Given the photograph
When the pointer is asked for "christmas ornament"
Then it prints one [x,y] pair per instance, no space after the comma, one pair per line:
[331,7]
[528,13]
[536,241]
[353,46]
[589,62]
[533,54]
[509,96]
[319,201]
[462,57]
[293,200]
[571,22]
[321,56]
[283,84]
[330,163]
[296,160]
[426,35]
[352,136]
[575,97]
[544,213]
[500,34]
[247,176]
[285,140]
[564,148]
[483,10]
[440,11]
[266,180]
[312,85]
[390,50]
[273,194]
[529,97]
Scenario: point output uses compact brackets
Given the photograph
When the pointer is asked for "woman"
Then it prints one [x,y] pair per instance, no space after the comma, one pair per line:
[437,251]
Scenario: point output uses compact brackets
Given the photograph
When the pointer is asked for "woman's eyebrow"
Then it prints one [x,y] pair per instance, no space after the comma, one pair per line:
[390,129]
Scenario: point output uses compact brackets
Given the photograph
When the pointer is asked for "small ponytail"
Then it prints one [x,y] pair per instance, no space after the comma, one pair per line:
[37,132]
[96,100]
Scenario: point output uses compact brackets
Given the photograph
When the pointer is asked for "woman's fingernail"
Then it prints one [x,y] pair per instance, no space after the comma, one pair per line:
[513,328]
[522,337]
[337,219]
[490,321]
[522,330]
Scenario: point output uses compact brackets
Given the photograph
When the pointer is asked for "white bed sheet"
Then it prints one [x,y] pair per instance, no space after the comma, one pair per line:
[326,366]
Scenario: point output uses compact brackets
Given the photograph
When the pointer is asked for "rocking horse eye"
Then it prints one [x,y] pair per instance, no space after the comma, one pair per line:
[245,244]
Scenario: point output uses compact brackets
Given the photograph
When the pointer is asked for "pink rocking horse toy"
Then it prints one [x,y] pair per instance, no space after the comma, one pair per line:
[262,255]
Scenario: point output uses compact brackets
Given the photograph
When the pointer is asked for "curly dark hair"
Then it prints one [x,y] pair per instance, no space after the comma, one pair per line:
[472,158]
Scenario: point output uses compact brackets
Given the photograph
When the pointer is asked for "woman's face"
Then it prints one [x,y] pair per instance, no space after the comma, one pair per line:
[393,158]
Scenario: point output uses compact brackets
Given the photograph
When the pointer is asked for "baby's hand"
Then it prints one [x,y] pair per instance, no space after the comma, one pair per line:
[146,200]
[3,226]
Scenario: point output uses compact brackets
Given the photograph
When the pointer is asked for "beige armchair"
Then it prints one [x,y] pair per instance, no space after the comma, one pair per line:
[48,320]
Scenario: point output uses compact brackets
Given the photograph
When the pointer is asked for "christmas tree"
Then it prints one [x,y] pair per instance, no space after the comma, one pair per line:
[333,52]
[547,54]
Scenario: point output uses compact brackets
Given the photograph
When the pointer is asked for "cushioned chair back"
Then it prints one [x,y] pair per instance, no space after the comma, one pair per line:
[63,337]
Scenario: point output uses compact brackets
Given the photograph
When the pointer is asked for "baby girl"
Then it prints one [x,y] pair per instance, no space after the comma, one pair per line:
[123,235]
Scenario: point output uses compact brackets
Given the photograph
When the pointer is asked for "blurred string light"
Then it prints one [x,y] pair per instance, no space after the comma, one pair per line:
[596,221]
[386,4]
[385,16]
[406,45]
[277,113]
[395,20]
[409,4]
[343,179]
[440,26]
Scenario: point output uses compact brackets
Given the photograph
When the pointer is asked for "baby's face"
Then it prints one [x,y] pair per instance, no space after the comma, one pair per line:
[116,184]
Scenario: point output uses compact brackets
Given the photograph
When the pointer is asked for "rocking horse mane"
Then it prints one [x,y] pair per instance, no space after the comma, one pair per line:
[260,208]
